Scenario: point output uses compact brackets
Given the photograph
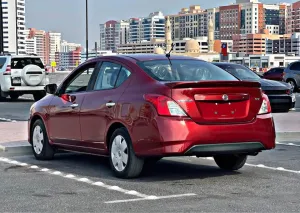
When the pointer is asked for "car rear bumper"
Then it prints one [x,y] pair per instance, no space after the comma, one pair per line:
[172,137]
[282,102]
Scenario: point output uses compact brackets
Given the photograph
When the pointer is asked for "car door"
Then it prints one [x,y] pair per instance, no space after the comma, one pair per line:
[278,74]
[101,105]
[295,70]
[64,121]
[269,74]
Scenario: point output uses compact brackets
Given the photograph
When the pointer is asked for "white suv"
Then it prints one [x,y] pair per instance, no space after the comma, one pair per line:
[21,75]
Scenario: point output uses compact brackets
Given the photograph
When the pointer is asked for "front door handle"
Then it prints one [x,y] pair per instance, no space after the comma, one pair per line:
[110,104]
[74,105]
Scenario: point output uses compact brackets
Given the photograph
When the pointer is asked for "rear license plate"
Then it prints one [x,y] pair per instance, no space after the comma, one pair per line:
[16,80]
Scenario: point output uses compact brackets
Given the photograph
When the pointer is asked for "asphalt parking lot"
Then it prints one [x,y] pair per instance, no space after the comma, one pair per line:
[269,182]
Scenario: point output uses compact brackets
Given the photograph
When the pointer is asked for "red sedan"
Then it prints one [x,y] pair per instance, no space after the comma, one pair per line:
[139,108]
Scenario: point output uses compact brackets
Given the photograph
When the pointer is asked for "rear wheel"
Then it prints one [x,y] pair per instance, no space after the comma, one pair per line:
[2,96]
[293,84]
[39,95]
[123,161]
[230,162]
[41,148]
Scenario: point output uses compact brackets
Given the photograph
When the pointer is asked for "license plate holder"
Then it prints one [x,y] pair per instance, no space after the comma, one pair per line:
[16,80]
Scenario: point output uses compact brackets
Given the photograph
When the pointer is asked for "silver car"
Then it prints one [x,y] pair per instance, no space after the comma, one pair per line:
[291,75]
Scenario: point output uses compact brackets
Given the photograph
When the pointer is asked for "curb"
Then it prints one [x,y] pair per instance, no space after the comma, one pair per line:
[287,136]
[15,148]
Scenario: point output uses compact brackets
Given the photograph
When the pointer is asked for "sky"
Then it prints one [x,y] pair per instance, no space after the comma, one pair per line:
[68,16]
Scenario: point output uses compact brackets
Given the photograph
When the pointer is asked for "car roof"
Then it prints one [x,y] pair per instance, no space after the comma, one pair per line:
[226,63]
[146,57]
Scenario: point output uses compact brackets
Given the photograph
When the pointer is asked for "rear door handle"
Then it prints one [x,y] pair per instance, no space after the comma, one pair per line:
[110,104]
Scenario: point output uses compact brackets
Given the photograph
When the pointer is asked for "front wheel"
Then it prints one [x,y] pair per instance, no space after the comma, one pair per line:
[293,85]
[41,148]
[123,161]
[230,162]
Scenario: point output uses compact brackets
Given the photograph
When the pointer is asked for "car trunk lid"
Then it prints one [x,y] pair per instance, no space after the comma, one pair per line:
[218,102]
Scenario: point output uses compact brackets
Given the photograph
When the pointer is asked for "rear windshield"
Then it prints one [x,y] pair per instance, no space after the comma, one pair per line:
[240,72]
[2,62]
[185,70]
[20,63]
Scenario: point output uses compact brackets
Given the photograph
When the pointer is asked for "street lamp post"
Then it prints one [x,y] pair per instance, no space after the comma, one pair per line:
[87,30]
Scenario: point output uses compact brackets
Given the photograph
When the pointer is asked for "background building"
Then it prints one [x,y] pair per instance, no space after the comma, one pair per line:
[147,28]
[113,33]
[41,40]
[54,39]
[67,47]
[12,26]
[30,43]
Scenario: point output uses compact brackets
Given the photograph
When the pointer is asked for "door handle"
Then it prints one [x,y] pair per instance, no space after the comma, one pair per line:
[74,105]
[110,104]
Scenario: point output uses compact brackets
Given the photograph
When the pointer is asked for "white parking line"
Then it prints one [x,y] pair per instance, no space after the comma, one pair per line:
[7,120]
[265,167]
[288,144]
[99,184]
[151,198]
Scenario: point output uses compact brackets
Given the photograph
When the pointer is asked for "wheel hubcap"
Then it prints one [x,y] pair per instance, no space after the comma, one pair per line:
[38,140]
[119,153]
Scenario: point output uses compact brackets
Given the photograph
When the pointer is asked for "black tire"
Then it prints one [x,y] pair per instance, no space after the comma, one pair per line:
[230,162]
[293,83]
[47,152]
[39,95]
[2,97]
[134,164]
[14,96]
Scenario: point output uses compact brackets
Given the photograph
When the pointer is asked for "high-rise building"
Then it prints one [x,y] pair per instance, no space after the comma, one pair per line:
[231,21]
[54,39]
[42,43]
[147,28]
[272,19]
[113,33]
[189,23]
[30,43]
[293,18]
[12,26]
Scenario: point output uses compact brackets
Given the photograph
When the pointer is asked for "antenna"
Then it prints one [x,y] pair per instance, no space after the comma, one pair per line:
[168,55]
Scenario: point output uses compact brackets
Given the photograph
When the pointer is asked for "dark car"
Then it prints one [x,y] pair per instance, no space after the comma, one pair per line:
[275,74]
[139,108]
[280,93]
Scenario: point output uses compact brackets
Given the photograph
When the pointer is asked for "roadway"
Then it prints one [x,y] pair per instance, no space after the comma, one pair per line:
[269,182]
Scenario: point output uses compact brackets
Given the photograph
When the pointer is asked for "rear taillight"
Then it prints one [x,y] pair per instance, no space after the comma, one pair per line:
[165,106]
[8,70]
[265,106]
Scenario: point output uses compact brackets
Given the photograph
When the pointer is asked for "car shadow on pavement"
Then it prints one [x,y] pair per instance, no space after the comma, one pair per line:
[8,100]
[98,167]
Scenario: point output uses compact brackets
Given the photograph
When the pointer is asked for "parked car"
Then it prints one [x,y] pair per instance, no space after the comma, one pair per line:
[275,74]
[292,75]
[21,75]
[280,94]
[137,109]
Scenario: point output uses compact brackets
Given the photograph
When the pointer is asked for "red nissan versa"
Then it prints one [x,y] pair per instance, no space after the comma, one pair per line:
[136,109]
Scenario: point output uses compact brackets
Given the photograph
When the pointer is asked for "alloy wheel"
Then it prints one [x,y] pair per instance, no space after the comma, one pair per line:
[119,153]
[38,140]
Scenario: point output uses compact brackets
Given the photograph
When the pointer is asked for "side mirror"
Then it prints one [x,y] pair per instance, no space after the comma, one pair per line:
[51,88]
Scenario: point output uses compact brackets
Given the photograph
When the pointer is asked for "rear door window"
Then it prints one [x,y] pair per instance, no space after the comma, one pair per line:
[2,62]
[295,66]
[20,63]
